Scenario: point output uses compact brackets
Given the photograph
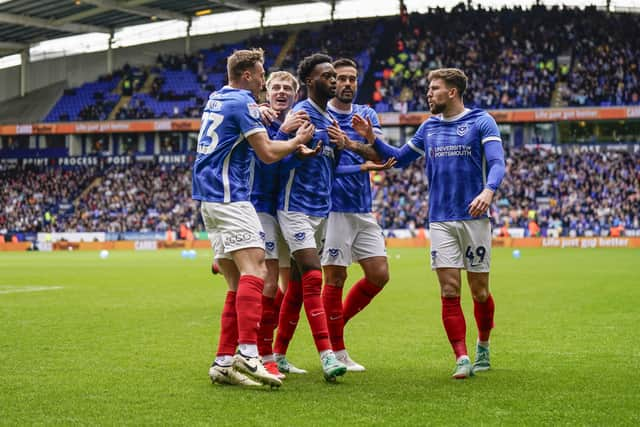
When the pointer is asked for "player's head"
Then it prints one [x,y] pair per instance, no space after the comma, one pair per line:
[347,79]
[282,88]
[446,87]
[246,70]
[317,73]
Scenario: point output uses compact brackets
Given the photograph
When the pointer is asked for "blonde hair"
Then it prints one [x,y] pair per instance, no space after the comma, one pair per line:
[242,60]
[453,77]
[283,75]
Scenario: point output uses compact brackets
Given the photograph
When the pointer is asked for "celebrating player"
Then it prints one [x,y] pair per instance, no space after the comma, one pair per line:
[352,231]
[230,123]
[465,165]
[282,88]
[305,199]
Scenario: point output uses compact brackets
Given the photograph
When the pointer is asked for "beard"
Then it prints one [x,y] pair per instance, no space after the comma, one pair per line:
[437,108]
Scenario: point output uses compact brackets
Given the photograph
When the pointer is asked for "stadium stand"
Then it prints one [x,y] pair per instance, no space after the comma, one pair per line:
[573,194]
[512,60]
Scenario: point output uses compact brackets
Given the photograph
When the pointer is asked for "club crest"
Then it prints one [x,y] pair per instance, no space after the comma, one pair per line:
[333,252]
[462,129]
[254,110]
[270,246]
[299,236]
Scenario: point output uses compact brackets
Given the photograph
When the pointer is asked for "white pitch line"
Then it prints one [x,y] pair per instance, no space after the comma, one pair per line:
[29,289]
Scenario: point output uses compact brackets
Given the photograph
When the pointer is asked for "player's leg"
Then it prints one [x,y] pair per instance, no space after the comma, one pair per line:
[251,264]
[446,260]
[483,310]
[477,244]
[242,237]
[336,257]
[305,234]
[222,370]
[369,250]
[268,319]
[288,318]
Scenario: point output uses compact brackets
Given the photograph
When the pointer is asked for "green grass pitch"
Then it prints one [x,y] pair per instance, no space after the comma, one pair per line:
[128,341]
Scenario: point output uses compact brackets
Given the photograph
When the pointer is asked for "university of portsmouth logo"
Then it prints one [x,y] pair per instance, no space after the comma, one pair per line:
[262,235]
[333,252]
[462,129]
[299,236]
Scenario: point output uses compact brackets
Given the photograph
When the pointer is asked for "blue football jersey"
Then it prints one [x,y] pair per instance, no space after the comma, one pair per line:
[455,161]
[306,188]
[352,193]
[264,178]
[221,169]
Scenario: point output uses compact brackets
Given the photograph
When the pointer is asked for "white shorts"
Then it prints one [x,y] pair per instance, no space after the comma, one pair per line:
[352,236]
[302,231]
[461,244]
[231,227]
[274,245]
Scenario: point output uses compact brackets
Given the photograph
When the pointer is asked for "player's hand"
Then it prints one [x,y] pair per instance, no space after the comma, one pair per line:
[305,133]
[267,114]
[373,166]
[304,151]
[293,121]
[337,136]
[481,203]
[363,127]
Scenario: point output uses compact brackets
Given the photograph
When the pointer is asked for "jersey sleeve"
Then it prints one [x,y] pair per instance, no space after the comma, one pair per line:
[417,142]
[489,130]
[377,129]
[249,117]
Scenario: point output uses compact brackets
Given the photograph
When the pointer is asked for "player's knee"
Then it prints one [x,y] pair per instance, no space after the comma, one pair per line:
[335,277]
[379,277]
[449,289]
[480,295]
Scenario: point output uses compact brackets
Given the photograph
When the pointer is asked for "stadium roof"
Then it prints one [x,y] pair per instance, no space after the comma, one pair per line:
[25,22]
[43,27]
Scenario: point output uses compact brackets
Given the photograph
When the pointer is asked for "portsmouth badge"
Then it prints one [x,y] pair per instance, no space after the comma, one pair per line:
[462,129]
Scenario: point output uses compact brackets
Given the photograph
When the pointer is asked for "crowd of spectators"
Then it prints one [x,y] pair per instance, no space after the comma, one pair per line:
[606,62]
[34,198]
[511,57]
[147,197]
[545,193]
[572,194]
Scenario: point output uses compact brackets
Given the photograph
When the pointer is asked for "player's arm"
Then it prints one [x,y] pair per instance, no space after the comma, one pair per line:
[403,155]
[367,166]
[494,155]
[271,151]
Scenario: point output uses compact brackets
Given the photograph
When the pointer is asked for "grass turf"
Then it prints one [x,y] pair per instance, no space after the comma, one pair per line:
[129,339]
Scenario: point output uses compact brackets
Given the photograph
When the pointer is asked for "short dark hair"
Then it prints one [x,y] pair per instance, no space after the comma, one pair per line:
[242,60]
[307,65]
[452,77]
[345,62]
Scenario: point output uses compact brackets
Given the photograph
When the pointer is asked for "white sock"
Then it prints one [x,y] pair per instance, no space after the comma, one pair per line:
[484,344]
[249,350]
[461,358]
[340,353]
[225,361]
[268,358]
[325,353]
